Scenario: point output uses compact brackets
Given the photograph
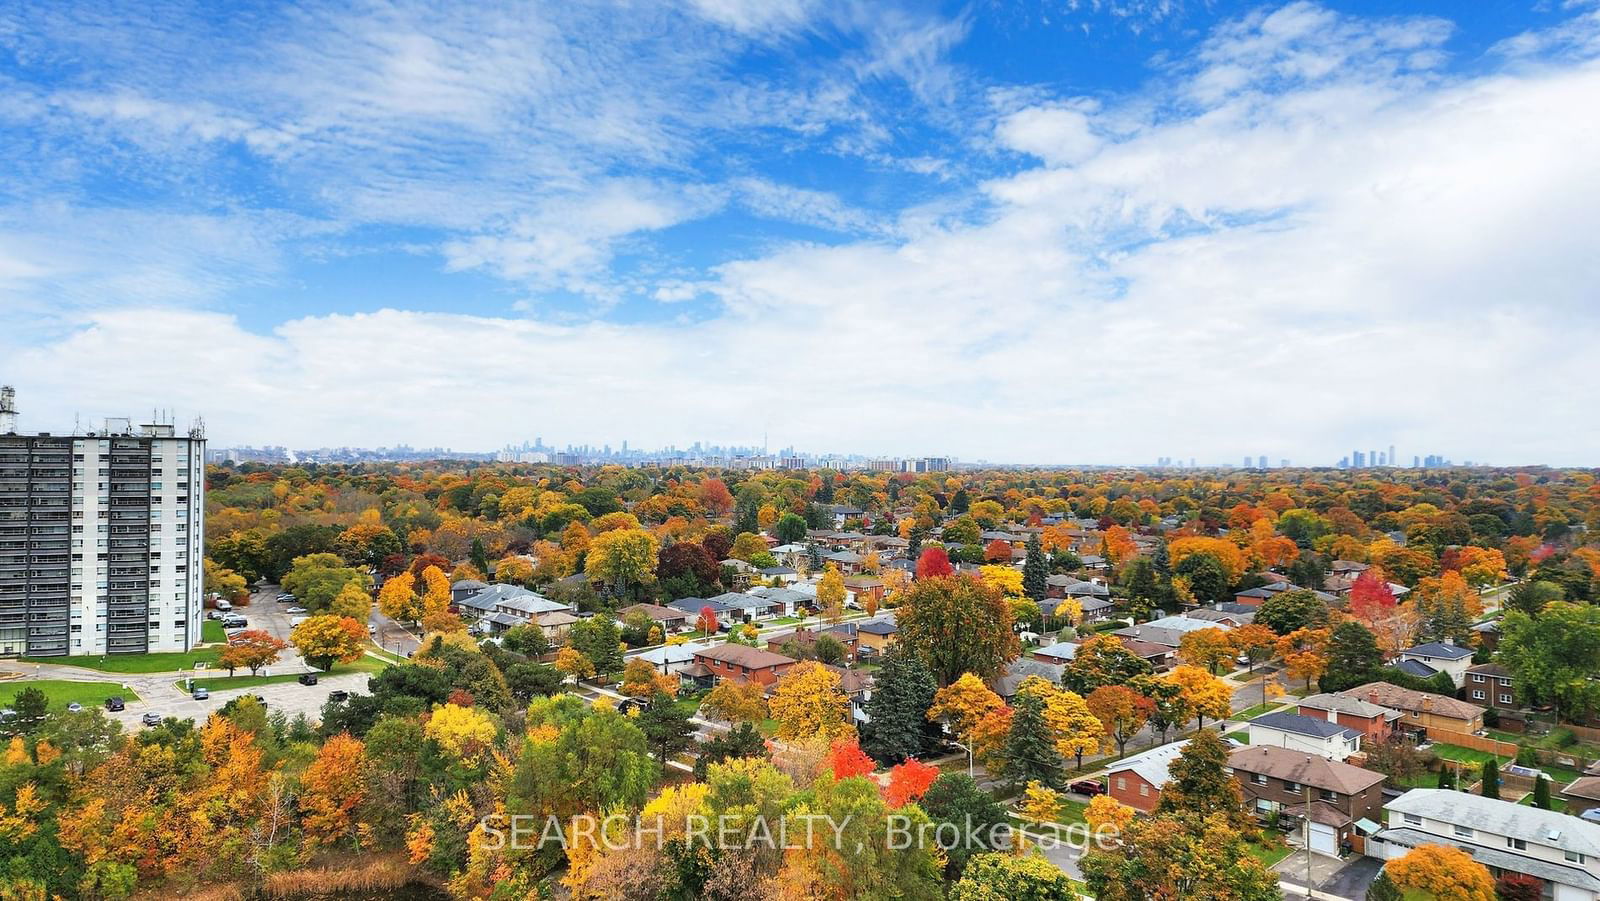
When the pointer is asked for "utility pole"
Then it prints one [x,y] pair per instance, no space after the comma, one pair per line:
[1308,841]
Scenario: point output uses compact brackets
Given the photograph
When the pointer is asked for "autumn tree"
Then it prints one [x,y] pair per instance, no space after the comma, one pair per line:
[641,680]
[251,649]
[706,622]
[1168,857]
[1205,648]
[332,787]
[1040,804]
[962,704]
[807,701]
[1448,607]
[1305,653]
[1371,598]
[846,759]
[1199,783]
[934,563]
[1103,660]
[1254,642]
[989,877]
[957,625]
[1106,815]
[1204,695]
[909,780]
[831,593]
[326,640]
[622,560]
[352,601]
[1443,872]
[572,663]
[398,599]
[1121,711]
[736,702]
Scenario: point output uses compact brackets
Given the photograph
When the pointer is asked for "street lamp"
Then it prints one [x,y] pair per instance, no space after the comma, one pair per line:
[968,749]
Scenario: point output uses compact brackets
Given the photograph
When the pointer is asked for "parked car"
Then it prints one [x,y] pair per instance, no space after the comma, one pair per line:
[286,597]
[74,707]
[1089,787]
[1592,815]
[201,694]
[151,719]
[114,704]
[308,679]
[372,629]
[235,622]
[339,695]
[213,614]
[295,609]
[297,621]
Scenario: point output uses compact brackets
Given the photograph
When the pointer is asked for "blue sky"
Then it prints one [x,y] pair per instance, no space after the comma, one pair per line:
[1049,230]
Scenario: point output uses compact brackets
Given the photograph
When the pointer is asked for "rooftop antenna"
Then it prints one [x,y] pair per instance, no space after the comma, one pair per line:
[8,410]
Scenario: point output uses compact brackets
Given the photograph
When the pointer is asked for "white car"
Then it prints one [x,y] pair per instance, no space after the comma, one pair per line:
[297,621]
[294,610]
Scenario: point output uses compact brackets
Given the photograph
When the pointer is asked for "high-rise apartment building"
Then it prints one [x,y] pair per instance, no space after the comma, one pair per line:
[101,540]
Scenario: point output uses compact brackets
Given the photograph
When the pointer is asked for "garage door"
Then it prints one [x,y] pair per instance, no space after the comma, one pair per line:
[1324,839]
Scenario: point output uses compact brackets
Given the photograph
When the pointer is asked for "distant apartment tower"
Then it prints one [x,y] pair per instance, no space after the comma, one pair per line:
[1261,461]
[794,463]
[1393,460]
[101,541]
[1358,459]
[1246,461]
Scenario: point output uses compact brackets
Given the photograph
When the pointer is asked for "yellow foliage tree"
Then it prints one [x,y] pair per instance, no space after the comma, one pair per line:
[1039,804]
[352,601]
[435,591]
[1070,609]
[641,680]
[963,703]
[1204,695]
[326,640]
[398,599]
[808,701]
[1006,578]
[331,789]
[1106,815]
[574,663]
[830,593]
[736,702]
[462,732]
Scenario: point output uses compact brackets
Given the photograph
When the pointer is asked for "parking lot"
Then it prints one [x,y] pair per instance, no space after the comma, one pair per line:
[290,697]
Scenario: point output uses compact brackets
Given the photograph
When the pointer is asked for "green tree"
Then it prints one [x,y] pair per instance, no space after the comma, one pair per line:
[1103,660]
[1179,857]
[1035,570]
[1552,656]
[957,624]
[956,799]
[1030,753]
[1384,889]
[1200,784]
[902,693]
[1353,657]
[666,727]
[1207,577]
[31,706]
[1530,597]
[1288,611]
[1541,793]
[791,528]
[597,638]
[741,741]
[1490,786]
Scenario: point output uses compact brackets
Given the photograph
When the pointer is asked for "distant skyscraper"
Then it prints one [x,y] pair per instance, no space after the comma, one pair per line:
[1262,461]
[1358,460]
[1246,461]
[1393,460]
[1416,462]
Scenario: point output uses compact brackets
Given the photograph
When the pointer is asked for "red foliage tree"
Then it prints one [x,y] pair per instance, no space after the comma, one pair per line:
[423,561]
[715,497]
[909,781]
[997,551]
[846,759]
[687,558]
[1371,598]
[934,562]
[1517,887]
[707,623]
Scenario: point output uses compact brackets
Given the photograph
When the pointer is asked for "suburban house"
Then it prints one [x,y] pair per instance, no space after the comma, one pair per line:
[671,659]
[693,606]
[848,562]
[555,624]
[857,686]
[1019,670]
[1234,615]
[1255,597]
[502,607]
[1137,780]
[1341,796]
[742,663]
[842,512]
[1439,657]
[785,574]
[788,599]
[1064,586]
[859,588]
[1560,850]
[1159,656]
[749,608]
[1306,734]
[1096,610]
[1423,711]
[670,619]
[1374,722]
[1169,630]
[876,636]
[806,638]
[1582,794]
[465,588]
[1489,684]
[1059,653]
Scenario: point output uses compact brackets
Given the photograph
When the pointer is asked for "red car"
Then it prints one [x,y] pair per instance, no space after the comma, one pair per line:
[1088,787]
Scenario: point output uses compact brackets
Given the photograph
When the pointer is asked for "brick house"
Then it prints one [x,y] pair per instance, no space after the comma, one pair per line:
[876,634]
[845,634]
[743,664]
[1341,795]
[1423,711]
[1137,781]
[1490,684]
[670,619]
[1374,721]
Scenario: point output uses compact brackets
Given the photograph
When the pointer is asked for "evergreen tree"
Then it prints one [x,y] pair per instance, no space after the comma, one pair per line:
[1353,657]
[1491,778]
[1139,580]
[1035,571]
[479,557]
[1199,783]
[1307,571]
[954,798]
[914,544]
[666,727]
[1447,776]
[959,502]
[1384,889]
[1030,755]
[899,709]
[1541,793]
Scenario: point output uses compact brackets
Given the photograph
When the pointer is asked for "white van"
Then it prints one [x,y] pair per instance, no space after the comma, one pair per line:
[297,621]
[224,606]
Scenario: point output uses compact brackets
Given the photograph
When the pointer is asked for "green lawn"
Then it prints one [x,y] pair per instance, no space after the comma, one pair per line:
[220,682]
[1463,755]
[1250,713]
[1242,736]
[1267,856]
[135,663]
[211,632]
[1557,804]
[785,621]
[62,692]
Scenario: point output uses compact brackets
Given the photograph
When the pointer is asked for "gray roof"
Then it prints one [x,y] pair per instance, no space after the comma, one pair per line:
[878,627]
[1439,649]
[1066,650]
[1499,858]
[1502,818]
[671,654]
[1020,669]
[843,557]
[531,604]
[777,571]
[742,601]
[1184,624]
[1353,706]
[1415,668]
[1300,724]
[693,606]
[1151,765]
[468,585]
